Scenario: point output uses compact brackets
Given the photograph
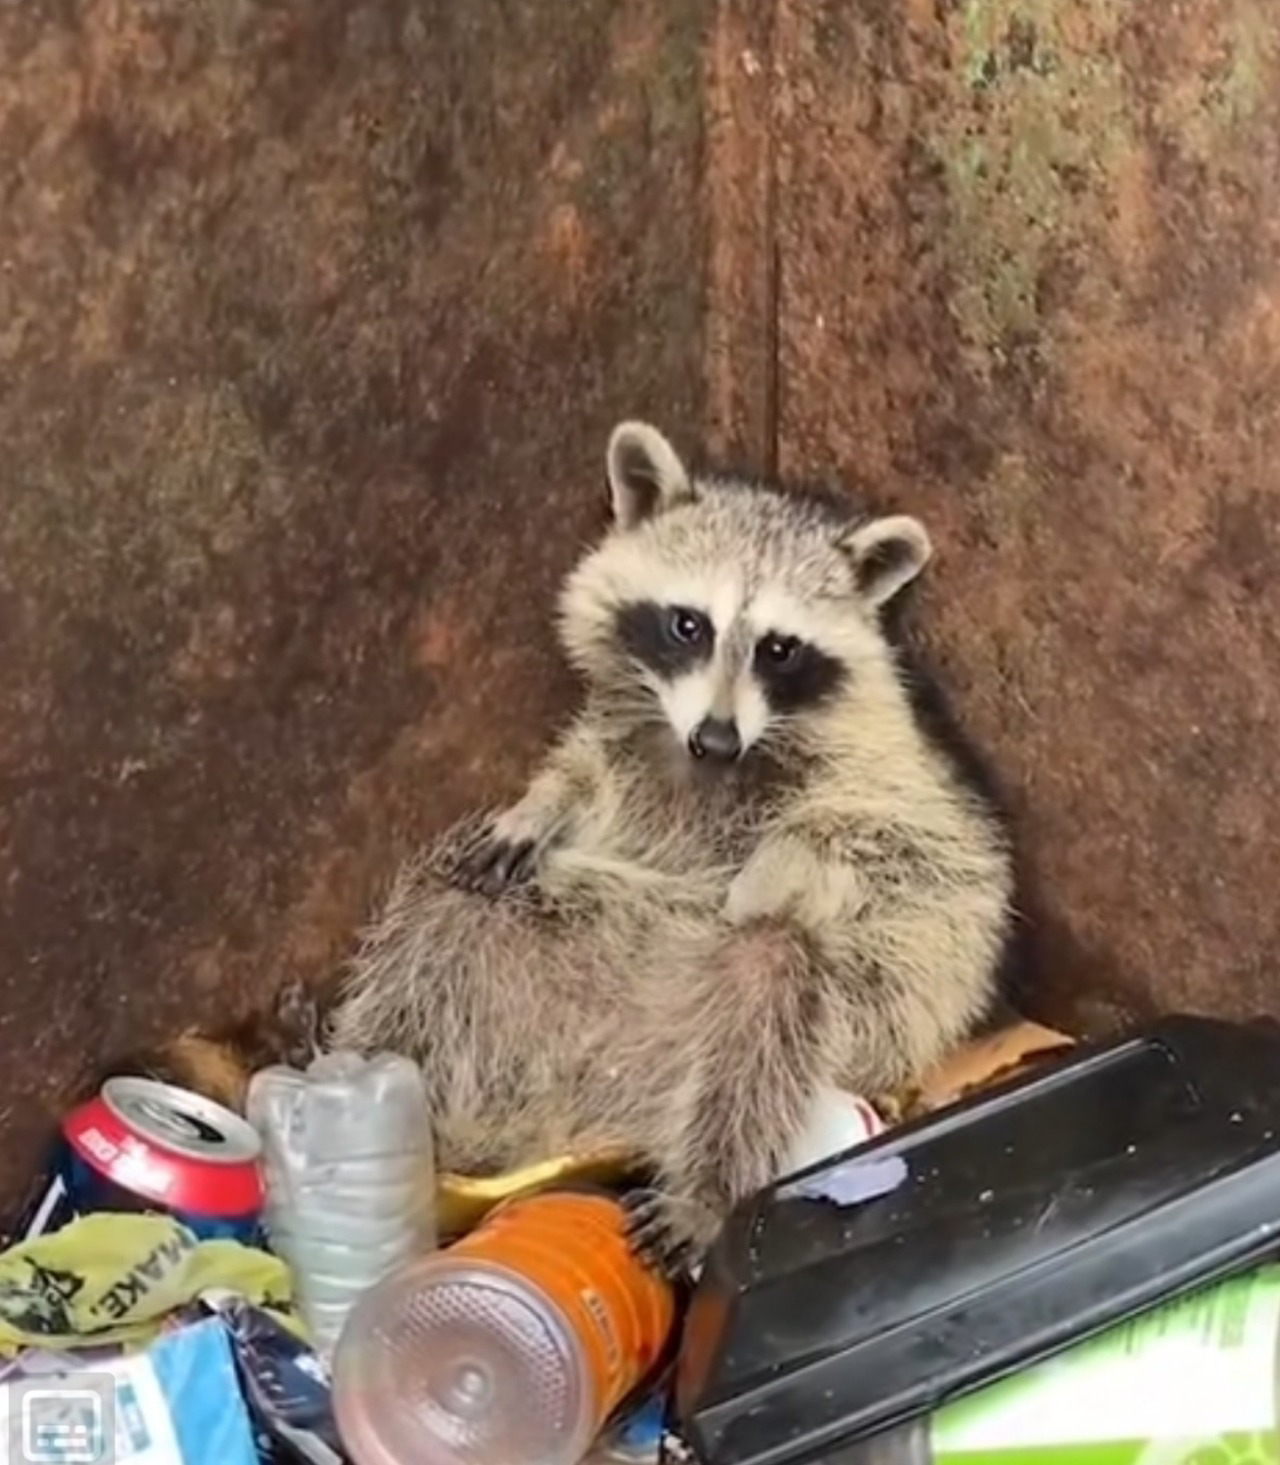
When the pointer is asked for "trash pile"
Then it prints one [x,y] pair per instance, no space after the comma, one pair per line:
[298,1286]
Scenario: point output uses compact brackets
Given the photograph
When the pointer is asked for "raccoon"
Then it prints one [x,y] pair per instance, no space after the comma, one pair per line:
[758,860]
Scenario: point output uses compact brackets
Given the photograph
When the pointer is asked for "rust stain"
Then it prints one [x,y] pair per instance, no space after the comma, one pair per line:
[562,166]
[740,353]
[438,639]
[568,244]
[214,649]
[635,41]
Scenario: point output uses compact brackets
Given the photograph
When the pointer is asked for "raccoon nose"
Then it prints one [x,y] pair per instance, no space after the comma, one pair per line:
[716,738]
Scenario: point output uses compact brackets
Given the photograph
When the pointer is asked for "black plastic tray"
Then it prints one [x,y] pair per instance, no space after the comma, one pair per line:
[1008,1226]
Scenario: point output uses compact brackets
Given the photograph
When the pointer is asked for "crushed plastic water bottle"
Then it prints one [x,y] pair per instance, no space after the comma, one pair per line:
[349,1167]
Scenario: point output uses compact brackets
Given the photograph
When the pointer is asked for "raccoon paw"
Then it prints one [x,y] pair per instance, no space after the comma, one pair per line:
[779,877]
[495,864]
[506,853]
[297,1018]
[668,1233]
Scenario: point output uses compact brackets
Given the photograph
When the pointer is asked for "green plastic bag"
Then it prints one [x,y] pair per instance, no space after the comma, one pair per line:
[115,1278]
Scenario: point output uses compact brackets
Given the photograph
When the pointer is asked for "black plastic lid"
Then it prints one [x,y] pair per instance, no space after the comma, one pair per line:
[986,1237]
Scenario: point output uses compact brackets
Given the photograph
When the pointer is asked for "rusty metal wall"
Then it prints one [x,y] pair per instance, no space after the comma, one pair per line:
[313,319]
[1025,279]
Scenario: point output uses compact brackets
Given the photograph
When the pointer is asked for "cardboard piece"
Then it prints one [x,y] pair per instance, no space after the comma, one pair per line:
[985,1061]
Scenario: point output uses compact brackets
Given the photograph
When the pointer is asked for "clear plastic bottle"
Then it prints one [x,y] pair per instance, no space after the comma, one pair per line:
[350,1179]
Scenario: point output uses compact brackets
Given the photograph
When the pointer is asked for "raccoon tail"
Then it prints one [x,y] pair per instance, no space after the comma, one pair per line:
[218,1062]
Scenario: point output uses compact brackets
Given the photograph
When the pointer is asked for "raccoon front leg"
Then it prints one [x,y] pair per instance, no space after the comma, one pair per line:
[510,847]
[911,925]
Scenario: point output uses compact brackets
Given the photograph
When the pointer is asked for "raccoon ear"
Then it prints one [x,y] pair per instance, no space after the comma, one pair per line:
[646,476]
[887,554]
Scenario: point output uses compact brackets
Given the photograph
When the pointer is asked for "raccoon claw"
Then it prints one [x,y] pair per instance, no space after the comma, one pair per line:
[297,1018]
[662,1232]
[495,865]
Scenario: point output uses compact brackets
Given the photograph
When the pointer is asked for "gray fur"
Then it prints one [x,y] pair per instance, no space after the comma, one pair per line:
[679,955]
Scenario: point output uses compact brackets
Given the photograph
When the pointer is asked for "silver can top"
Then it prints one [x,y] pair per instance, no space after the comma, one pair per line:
[186,1123]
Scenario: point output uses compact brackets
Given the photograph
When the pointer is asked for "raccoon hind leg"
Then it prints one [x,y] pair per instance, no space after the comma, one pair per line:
[481,992]
[758,1039]
[218,1060]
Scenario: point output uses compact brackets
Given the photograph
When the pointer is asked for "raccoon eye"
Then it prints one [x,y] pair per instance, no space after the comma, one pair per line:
[780,650]
[687,626]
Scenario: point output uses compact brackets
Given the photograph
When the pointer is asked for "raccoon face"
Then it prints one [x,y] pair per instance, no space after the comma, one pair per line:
[736,615]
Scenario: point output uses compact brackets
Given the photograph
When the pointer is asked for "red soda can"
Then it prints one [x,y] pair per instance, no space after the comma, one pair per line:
[142,1145]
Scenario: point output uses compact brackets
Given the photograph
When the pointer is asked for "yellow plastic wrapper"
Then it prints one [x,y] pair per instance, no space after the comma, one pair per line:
[114,1278]
[463,1201]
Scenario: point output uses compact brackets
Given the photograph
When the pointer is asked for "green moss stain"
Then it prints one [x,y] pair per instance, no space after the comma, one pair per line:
[658,103]
[1035,123]
[1007,498]
[1045,104]
[1253,41]
[1214,110]
[675,82]
[171,486]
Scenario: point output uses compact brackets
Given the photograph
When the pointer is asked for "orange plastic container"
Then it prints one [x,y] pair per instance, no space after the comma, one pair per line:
[512,1347]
